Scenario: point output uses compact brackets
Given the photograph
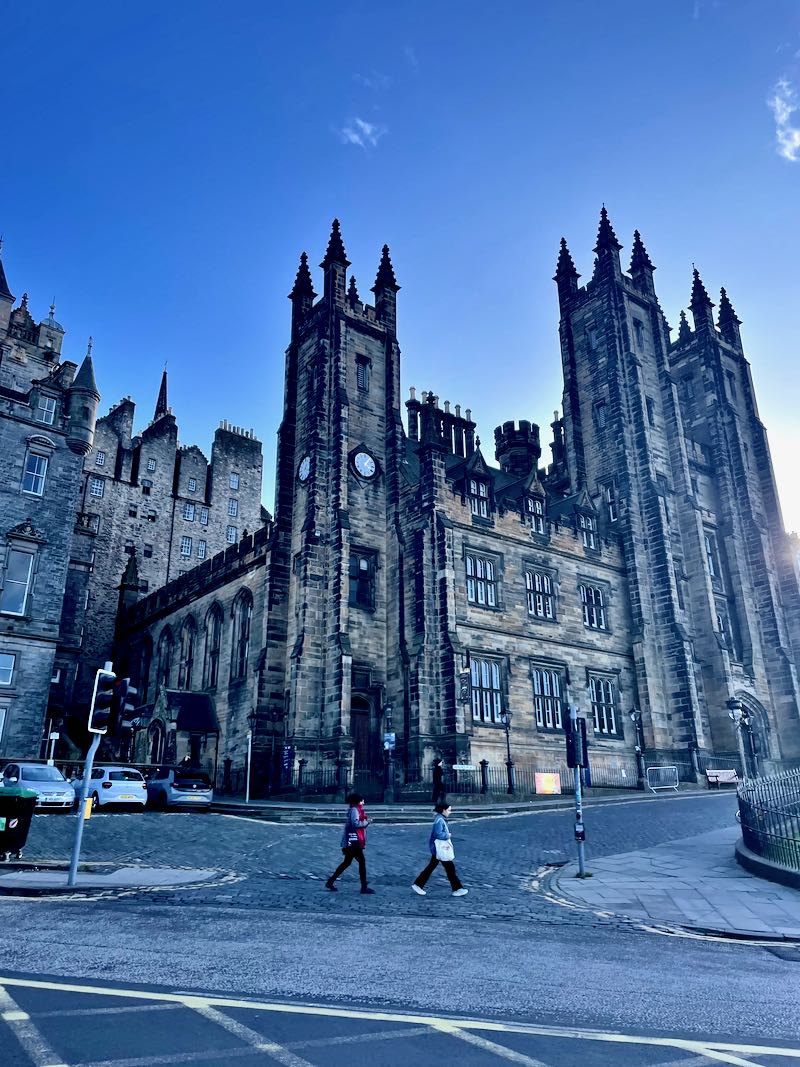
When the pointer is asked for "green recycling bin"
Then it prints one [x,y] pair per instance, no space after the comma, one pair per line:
[16,812]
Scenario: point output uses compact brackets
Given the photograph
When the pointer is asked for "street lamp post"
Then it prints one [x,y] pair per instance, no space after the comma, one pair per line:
[388,749]
[505,719]
[740,718]
[636,719]
[251,722]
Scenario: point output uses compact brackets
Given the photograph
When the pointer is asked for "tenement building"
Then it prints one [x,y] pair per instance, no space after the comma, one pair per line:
[413,593]
[47,422]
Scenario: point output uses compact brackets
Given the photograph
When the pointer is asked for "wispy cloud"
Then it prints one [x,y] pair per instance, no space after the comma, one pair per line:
[364,134]
[783,103]
[374,80]
[411,56]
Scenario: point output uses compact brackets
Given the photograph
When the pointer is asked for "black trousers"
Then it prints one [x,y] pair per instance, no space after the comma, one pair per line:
[449,870]
[352,852]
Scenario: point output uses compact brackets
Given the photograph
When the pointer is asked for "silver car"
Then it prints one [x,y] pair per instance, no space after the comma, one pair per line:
[51,787]
[115,786]
[179,787]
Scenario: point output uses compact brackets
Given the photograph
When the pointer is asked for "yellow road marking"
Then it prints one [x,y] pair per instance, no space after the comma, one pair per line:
[192,1000]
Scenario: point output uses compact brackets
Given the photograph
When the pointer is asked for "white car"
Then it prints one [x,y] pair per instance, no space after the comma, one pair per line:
[51,787]
[114,785]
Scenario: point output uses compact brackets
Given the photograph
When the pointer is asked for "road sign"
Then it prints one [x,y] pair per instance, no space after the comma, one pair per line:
[389,740]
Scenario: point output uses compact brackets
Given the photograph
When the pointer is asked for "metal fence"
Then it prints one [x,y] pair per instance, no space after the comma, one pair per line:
[769,811]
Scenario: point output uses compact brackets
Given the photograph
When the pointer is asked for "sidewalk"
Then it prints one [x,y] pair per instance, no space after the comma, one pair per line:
[694,883]
[44,880]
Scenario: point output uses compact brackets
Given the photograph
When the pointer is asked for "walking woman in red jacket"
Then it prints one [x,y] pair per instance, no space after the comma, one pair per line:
[354,841]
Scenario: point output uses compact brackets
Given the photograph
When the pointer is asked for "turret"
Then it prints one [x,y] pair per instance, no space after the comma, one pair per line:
[641,268]
[385,290]
[684,330]
[728,321]
[302,295]
[607,248]
[565,277]
[701,306]
[335,265]
[517,450]
[82,402]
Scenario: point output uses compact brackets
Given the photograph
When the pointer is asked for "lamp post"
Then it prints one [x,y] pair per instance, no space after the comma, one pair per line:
[505,719]
[740,718]
[636,719]
[251,723]
[388,749]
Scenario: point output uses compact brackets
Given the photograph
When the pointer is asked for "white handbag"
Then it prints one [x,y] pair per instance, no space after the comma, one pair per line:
[444,851]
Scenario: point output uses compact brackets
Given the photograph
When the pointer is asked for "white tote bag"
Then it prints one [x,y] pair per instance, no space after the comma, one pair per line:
[444,851]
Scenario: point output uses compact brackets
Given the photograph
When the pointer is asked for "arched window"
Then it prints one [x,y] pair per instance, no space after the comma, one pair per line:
[155,734]
[188,640]
[212,643]
[166,647]
[242,614]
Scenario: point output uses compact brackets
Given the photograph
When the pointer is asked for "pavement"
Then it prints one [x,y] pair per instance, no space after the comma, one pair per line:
[25,880]
[695,883]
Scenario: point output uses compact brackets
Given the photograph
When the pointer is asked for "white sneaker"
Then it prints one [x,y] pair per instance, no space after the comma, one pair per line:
[418,889]
[462,892]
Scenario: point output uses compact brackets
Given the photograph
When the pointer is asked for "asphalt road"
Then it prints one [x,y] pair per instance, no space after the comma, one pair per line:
[539,975]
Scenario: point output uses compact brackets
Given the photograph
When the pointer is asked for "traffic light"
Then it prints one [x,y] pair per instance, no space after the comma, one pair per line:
[102,701]
[572,760]
[123,707]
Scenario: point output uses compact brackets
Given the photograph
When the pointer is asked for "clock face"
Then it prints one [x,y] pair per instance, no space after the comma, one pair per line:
[364,464]
[304,469]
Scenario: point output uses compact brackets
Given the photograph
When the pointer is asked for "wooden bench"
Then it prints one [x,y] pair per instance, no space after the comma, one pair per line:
[722,777]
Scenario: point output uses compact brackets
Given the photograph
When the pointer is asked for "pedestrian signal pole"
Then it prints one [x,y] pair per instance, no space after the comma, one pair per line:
[99,716]
[577,757]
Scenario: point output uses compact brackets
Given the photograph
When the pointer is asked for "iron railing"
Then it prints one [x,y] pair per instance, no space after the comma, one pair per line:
[769,811]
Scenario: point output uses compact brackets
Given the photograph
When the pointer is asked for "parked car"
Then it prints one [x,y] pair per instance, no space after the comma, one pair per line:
[114,785]
[51,787]
[179,787]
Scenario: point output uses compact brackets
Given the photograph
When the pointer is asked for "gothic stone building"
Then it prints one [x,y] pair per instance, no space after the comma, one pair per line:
[411,587]
[47,421]
[147,493]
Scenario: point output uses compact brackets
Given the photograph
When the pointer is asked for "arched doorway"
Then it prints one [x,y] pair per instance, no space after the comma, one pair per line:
[156,737]
[758,743]
[367,754]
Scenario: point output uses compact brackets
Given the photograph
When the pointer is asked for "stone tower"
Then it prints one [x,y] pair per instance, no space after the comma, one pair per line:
[333,592]
[666,439]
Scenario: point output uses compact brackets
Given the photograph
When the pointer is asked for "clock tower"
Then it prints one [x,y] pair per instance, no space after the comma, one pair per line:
[332,673]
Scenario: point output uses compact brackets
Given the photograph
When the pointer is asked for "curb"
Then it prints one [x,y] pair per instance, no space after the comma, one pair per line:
[661,926]
[765,868]
[407,813]
[83,892]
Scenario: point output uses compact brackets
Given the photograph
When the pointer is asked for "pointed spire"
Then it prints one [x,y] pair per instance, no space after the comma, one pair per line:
[352,293]
[161,403]
[727,320]
[639,258]
[335,252]
[700,304]
[606,238]
[84,380]
[24,304]
[700,297]
[130,579]
[5,292]
[684,329]
[385,278]
[303,286]
[565,277]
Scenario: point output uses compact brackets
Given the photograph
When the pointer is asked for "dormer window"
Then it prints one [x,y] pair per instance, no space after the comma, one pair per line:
[588,528]
[46,410]
[534,508]
[479,498]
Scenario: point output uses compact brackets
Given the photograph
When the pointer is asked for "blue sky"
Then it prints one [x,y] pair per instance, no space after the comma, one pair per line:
[165,164]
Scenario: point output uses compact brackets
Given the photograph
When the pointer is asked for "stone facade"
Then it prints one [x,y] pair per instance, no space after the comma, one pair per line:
[147,493]
[47,420]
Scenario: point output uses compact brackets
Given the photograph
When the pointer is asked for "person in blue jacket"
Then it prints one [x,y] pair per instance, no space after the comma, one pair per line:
[440,833]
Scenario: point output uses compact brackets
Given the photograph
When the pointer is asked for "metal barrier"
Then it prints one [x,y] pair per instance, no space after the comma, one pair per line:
[662,778]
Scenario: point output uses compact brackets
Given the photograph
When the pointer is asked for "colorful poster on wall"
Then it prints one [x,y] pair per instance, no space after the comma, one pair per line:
[547,782]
